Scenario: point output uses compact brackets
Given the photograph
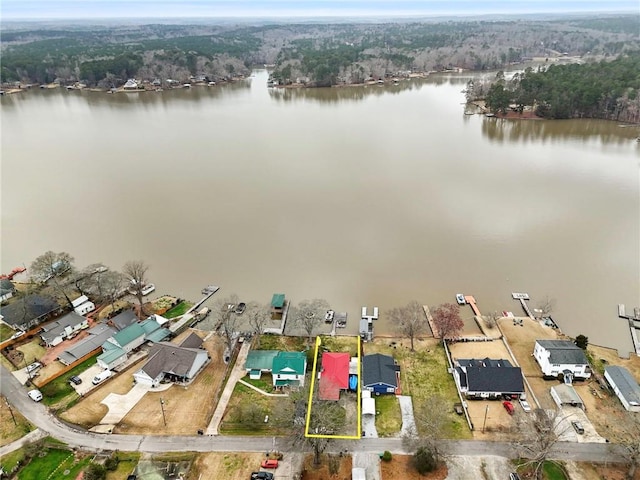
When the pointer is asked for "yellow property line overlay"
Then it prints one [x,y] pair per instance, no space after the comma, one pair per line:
[310,402]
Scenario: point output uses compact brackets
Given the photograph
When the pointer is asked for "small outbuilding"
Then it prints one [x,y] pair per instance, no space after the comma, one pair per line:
[625,386]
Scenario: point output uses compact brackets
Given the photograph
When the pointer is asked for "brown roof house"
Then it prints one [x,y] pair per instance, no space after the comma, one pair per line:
[169,362]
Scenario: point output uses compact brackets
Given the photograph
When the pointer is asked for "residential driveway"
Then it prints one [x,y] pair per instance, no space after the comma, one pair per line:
[21,375]
[408,421]
[120,405]
[567,433]
[87,376]
[370,462]
[236,374]
[369,426]
[488,466]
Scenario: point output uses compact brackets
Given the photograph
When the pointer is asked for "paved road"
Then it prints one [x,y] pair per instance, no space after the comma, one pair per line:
[37,414]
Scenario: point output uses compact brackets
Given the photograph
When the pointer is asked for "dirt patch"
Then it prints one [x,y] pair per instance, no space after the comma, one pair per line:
[321,472]
[494,350]
[400,468]
[10,431]
[227,466]
[89,411]
[186,409]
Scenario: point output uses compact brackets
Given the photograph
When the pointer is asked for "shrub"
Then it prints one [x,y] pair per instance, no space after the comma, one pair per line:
[95,471]
[424,461]
[112,462]
[386,456]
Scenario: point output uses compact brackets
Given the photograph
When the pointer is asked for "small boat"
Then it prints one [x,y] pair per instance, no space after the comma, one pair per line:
[147,289]
[240,308]
[460,299]
[328,317]
[341,320]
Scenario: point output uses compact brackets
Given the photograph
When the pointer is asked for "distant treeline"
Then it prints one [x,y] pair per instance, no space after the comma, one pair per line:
[606,89]
[313,54]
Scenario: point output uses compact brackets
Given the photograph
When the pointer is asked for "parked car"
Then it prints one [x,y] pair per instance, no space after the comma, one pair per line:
[269,463]
[76,380]
[525,405]
[261,476]
[33,367]
[35,395]
[101,377]
[508,406]
[577,426]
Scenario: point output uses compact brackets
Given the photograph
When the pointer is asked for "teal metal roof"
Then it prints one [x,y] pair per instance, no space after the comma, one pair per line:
[158,335]
[277,301]
[109,356]
[289,363]
[149,325]
[260,359]
[129,334]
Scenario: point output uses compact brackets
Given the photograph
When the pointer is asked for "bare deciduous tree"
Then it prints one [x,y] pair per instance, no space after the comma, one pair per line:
[308,314]
[136,270]
[258,316]
[112,284]
[410,320]
[226,319]
[50,266]
[432,417]
[447,321]
[546,306]
[539,432]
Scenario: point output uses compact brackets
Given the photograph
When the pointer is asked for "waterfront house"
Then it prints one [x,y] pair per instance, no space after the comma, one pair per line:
[91,344]
[131,85]
[64,327]
[26,312]
[380,374]
[488,379]
[625,386]
[6,289]
[82,305]
[334,375]
[259,362]
[561,358]
[123,320]
[173,363]
[288,369]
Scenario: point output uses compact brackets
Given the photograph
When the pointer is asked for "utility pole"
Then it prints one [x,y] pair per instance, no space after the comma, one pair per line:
[11,412]
[164,419]
[485,418]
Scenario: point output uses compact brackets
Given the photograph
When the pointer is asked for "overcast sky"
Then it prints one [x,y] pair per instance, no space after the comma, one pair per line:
[50,9]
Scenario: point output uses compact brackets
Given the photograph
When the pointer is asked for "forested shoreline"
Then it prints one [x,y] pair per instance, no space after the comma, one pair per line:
[321,55]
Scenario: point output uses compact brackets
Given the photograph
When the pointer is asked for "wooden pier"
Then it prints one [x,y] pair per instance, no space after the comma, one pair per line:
[634,325]
[522,297]
[472,303]
[432,326]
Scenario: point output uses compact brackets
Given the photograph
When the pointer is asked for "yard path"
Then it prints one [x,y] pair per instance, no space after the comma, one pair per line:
[370,462]
[262,392]
[236,374]
[30,437]
[120,405]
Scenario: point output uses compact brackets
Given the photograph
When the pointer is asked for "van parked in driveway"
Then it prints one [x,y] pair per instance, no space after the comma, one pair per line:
[101,377]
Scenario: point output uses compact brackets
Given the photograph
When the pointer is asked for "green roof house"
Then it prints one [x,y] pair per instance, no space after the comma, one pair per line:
[259,361]
[289,368]
[111,356]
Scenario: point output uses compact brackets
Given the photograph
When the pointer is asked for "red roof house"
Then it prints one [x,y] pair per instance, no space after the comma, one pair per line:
[334,376]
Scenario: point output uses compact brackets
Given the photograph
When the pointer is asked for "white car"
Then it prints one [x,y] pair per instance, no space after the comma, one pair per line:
[525,405]
[33,367]
[35,395]
[16,335]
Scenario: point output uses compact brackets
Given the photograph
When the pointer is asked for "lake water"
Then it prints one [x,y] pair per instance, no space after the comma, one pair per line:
[362,196]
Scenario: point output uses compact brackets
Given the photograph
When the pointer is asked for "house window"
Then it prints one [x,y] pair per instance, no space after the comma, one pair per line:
[278,376]
[556,365]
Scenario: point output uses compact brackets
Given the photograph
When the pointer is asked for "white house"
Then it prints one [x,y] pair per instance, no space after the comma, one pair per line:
[82,305]
[561,357]
[171,362]
[625,386]
[55,332]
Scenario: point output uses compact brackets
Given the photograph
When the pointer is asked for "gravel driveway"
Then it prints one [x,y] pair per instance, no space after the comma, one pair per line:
[408,421]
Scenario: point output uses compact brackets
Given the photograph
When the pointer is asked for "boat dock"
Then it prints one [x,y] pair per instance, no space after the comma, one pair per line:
[472,303]
[634,325]
[522,297]
[427,313]
[189,317]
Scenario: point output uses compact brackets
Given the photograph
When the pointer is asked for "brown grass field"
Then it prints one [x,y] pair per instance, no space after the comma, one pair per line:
[10,431]
[400,468]
[227,466]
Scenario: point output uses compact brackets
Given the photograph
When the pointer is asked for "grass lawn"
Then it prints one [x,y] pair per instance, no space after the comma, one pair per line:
[127,462]
[10,431]
[52,465]
[178,310]
[246,412]
[32,351]
[279,342]
[6,332]
[552,471]
[341,344]
[389,420]
[59,392]
[424,373]
[265,383]
[10,460]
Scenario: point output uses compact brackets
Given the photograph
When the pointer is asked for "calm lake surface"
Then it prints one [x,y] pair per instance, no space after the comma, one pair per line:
[363,196]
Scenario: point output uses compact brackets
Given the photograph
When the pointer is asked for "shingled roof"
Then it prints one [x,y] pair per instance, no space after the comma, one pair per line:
[170,358]
[563,352]
[379,369]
